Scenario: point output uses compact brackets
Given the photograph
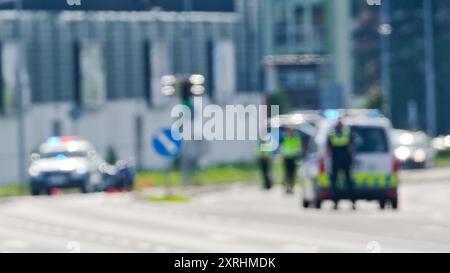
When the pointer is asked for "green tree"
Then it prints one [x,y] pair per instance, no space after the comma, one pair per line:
[375,99]
[111,155]
[281,100]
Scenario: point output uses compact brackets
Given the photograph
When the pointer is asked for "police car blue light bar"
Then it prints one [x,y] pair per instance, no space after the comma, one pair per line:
[334,114]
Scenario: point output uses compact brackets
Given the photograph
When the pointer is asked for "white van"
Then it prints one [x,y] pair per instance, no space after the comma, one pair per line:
[375,169]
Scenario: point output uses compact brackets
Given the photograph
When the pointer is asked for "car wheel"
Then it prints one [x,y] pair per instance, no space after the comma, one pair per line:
[382,204]
[305,204]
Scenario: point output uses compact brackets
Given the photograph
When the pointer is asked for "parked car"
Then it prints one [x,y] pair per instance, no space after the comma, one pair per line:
[72,162]
[413,149]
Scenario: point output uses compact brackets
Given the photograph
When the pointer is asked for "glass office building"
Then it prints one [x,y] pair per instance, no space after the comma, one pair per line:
[306,58]
[87,57]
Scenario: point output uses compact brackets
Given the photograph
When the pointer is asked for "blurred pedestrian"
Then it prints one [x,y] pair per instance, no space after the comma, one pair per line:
[291,150]
[265,162]
[340,146]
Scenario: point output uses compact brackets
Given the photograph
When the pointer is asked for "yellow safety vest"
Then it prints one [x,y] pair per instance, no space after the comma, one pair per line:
[342,140]
[291,146]
[265,148]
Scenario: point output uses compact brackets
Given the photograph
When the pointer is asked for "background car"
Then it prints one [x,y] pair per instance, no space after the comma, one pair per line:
[441,143]
[67,162]
[413,149]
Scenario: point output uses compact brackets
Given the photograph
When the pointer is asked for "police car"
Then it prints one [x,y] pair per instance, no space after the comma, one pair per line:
[375,168]
[66,162]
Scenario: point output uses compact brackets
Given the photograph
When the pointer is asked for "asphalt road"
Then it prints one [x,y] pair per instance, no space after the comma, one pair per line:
[235,219]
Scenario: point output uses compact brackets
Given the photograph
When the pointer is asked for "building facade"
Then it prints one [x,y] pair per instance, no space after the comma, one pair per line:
[407,60]
[409,105]
[97,75]
[125,5]
[307,52]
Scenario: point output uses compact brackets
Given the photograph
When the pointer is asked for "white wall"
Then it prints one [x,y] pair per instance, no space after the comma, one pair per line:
[8,150]
[112,124]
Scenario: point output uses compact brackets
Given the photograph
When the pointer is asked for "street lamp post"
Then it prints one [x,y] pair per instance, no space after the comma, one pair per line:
[186,87]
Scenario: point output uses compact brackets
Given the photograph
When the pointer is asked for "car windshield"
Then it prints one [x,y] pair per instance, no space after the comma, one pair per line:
[63,154]
[370,140]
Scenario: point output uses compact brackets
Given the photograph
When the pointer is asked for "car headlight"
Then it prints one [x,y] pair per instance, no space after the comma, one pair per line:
[402,153]
[420,156]
[34,171]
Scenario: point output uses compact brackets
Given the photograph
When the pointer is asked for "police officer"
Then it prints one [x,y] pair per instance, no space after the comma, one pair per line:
[291,149]
[340,145]
[265,162]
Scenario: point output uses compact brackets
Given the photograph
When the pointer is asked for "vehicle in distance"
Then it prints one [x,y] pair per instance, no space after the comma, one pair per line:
[375,169]
[70,162]
[413,149]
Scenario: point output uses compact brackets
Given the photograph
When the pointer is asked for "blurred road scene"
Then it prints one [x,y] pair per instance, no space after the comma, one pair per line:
[236,218]
[224,126]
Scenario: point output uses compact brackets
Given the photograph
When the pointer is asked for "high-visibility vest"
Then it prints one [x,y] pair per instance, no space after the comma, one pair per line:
[264,148]
[291,146]
[341,140]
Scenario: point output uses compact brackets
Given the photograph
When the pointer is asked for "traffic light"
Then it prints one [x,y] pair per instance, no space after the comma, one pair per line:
[185,87]
[186,94]
[197,82]
[168,85]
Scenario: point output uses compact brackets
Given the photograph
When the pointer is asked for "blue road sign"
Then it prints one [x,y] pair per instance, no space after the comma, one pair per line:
[165,144]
